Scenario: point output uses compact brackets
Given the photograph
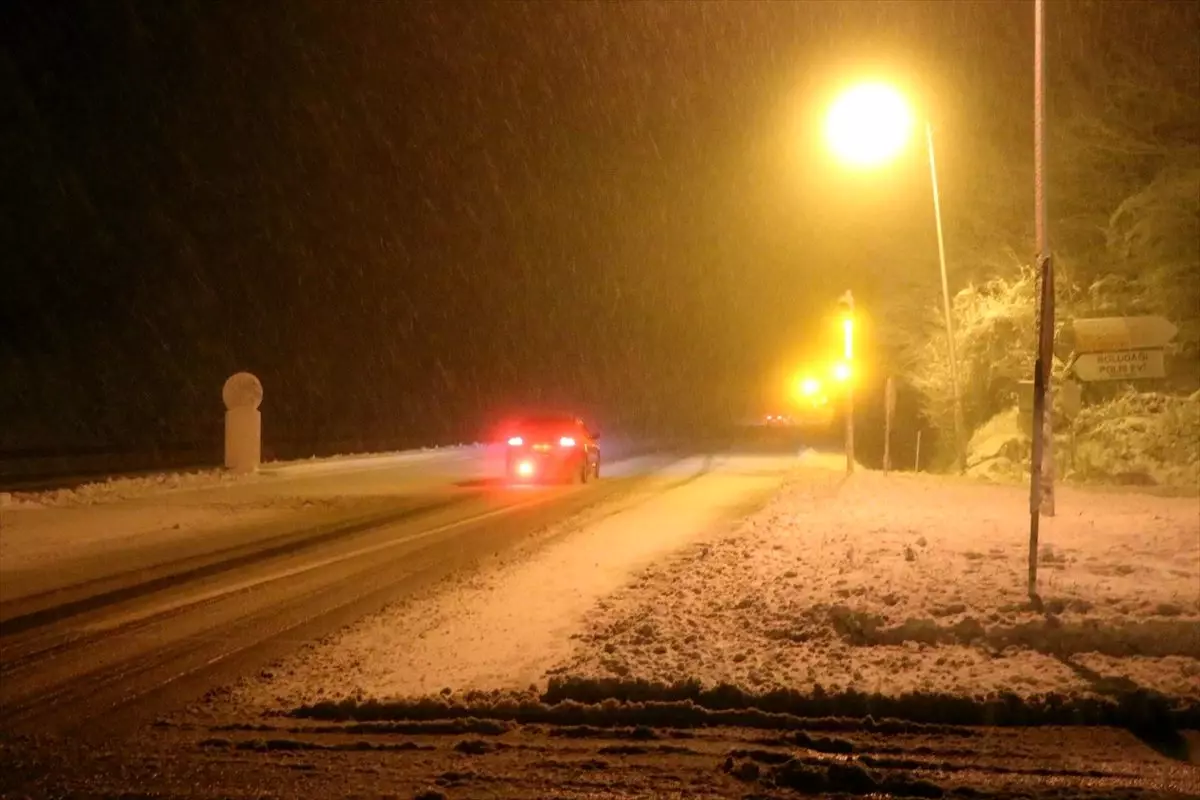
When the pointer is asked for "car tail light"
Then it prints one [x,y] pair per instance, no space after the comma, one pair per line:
[567,441]
[515,441]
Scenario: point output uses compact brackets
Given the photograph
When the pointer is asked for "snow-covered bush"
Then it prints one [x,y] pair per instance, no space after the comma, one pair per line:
[995,333]
[1154,437]
[999,449]
[1137,437]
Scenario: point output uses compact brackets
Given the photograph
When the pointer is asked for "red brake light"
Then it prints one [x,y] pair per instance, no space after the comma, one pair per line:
[567,441]
[515,441]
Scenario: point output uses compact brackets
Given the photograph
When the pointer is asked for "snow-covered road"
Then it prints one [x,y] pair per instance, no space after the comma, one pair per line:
[170,573]
[56,539]
[306,618]
[507,626]
[893,586]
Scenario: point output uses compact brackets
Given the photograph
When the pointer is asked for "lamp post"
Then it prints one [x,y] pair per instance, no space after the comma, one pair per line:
[960,443]
[868,125]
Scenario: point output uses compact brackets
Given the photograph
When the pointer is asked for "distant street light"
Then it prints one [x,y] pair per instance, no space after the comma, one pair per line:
[868,125]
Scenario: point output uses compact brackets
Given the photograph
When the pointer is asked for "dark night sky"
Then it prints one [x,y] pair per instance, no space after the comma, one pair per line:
[408,217]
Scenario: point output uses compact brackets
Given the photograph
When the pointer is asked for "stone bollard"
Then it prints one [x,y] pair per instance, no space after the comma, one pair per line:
[243,393]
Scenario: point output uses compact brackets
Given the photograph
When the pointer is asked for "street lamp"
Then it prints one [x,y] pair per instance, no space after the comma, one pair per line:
[868,125]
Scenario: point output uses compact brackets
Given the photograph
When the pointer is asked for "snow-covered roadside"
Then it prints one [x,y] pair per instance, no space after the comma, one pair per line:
[182,515]
[143,486]
[917,584]
[359,461]
[86,532]
[507,625]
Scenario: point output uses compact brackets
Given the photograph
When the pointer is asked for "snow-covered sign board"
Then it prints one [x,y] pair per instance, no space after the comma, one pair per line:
[1121,365]
[1106,334]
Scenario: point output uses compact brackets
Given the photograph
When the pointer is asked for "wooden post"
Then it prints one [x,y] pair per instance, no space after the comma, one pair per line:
[1072,446]
[889,408]
[847,304]
[917,468]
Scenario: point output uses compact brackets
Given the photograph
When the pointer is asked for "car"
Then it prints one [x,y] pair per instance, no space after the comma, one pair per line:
[552,448]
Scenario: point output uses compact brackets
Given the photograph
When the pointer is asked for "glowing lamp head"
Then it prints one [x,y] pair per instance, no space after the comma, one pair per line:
[567,441]
[515,441]
[841,371]
[809,387]
[525,469]
[868,125]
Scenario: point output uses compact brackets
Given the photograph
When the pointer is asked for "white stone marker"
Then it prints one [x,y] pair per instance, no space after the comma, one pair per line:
[243,393]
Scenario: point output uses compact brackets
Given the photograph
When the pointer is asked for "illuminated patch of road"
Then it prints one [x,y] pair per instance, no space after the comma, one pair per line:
[117,622]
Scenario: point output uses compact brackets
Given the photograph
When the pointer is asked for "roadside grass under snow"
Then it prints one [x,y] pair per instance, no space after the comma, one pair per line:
[900,584]
[900,595]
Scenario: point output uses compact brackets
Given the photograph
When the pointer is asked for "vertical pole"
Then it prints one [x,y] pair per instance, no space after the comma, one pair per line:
[889,407]
[848,353]
[917,466]
[1046,262]
[959,433]
[1041,472]
[850,428]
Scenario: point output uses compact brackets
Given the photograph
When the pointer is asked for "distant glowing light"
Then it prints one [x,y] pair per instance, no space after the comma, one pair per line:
[516,441]
[841,371]
[525,469]
[810,386]
[868,125]
[567,441]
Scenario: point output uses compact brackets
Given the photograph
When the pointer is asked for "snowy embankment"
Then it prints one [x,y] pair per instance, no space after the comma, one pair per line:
[143,486]
[75,535]
[901,595]
[904,583]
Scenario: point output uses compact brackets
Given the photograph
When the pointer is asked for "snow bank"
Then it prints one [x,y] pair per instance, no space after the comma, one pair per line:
[1140,438]
[640,705]
[112,490]
[91,531]
[1155,436]
[915,584]
[116,489]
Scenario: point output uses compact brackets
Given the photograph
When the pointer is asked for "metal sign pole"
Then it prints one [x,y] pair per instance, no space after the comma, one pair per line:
[1041,472]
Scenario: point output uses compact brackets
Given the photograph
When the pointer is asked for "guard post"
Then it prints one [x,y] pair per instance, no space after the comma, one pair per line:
[243,394]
